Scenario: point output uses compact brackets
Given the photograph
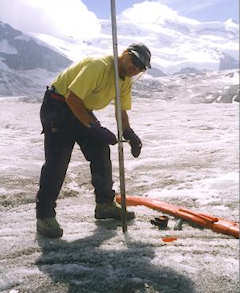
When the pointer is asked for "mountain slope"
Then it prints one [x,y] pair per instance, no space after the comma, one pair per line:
[29,63]
[174,44]
[178,42]
[26,65]
[228,62]
[21,52]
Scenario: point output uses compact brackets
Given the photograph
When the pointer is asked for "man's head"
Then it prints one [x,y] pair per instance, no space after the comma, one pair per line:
[135,59]
[142,54]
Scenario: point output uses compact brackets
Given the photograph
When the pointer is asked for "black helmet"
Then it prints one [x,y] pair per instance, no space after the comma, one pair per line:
[141,52]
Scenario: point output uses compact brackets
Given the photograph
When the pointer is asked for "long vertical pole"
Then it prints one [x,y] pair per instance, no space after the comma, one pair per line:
[119,117]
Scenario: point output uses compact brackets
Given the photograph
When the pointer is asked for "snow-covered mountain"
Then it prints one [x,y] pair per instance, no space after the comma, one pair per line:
[21,52]
[187,70]
[30,61]
[181,43]
[25,63]
[174,44]
[228,62]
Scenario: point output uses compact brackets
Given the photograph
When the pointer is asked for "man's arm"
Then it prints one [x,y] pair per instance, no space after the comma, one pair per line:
[125,120]
[79,110]
[95,131]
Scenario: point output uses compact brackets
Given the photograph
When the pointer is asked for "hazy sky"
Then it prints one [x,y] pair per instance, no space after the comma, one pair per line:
[78,17]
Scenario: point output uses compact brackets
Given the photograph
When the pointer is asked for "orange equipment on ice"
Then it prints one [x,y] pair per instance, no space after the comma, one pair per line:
[216,224]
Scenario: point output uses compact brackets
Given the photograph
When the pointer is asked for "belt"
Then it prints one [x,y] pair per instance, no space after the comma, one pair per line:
[54,95]
[57,97]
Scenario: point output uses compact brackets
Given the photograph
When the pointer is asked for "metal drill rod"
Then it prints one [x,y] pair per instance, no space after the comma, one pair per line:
[119,118]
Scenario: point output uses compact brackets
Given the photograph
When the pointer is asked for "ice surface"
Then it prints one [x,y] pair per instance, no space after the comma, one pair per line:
[189,158]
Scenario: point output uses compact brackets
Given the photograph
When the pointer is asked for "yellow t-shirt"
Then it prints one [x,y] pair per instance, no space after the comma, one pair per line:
[93,81]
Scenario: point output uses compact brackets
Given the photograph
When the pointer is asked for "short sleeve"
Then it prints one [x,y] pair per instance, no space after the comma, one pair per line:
[87,79]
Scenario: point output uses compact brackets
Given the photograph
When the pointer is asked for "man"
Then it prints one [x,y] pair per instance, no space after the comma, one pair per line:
[67,117]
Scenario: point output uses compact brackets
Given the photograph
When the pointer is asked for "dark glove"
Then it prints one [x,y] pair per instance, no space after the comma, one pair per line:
[102,134]
[134,140]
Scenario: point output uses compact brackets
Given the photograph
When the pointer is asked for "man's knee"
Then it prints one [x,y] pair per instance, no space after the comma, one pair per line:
[96,152]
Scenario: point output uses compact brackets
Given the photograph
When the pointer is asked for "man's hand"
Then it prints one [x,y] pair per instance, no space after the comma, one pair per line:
[134,140]
[102,134]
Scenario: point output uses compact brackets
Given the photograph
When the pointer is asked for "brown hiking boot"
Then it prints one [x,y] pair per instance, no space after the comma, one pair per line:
[111,210]
[49,227]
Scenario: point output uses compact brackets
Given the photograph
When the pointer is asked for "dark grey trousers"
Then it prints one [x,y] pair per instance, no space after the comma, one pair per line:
[61,131]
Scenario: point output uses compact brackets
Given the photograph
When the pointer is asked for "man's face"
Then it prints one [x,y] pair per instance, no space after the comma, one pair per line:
[130,65]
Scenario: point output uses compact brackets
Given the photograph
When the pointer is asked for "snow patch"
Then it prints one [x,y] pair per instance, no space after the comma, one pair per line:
[6,48]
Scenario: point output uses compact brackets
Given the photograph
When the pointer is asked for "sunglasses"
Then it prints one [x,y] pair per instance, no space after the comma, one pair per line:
[137,63]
